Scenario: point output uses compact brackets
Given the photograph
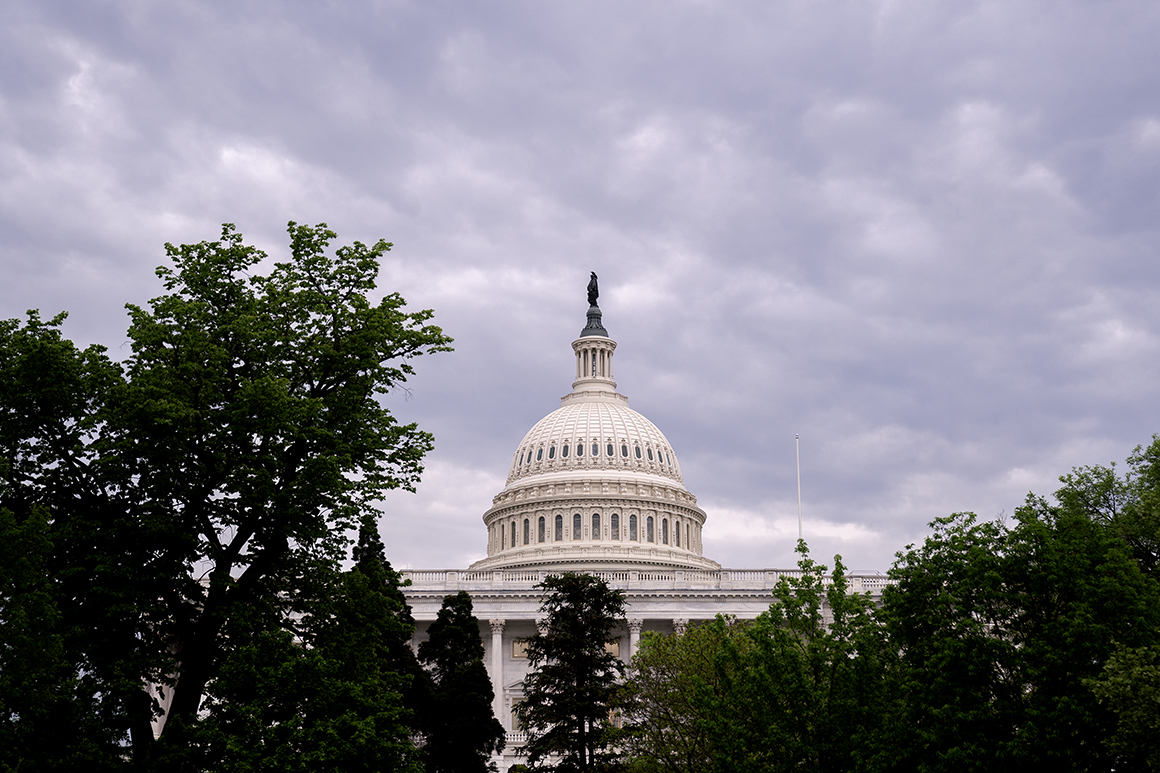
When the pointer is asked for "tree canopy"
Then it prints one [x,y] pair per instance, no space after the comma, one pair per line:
[200,491]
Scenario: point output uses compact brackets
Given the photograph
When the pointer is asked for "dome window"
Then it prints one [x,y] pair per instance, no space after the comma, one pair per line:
[677,533]
[559,528]
[552,452]
[527,531]
[650,455]
[665,531]
[540,533]
[668,460]
[610,451]
[615,526]
[539,454]
[513,534]
[637,452]
[579,449]
[649,533]
[632,527]
[564,451]
[596,526]
[576,526]
[623,449]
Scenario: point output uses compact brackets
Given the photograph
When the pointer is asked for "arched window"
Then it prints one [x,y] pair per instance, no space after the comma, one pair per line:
[576,526]
[559,528]
[502,537]
[615,526]
[596,526]
[610,451]
[651,536]
[637,452]
[688,544]
[552,452]
[624,449]
[527,531]
[539,454]
[665,530]
[564,451]
[677,533]
[513,534]
[580,449]
[632,527]
[540,533]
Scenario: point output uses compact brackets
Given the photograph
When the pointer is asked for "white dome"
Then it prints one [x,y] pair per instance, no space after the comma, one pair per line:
[594,436]
[594,485]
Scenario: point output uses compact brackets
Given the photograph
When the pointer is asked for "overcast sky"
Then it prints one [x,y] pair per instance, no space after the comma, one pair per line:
[924,235]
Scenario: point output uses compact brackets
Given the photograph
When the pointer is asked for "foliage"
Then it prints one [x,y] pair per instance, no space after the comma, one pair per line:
[998,631]
[569,690]
[461,729]
[798,689]
[1130,686]
[673,685]
[198,494]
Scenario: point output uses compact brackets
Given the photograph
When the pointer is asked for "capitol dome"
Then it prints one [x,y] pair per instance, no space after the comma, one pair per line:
[594,485]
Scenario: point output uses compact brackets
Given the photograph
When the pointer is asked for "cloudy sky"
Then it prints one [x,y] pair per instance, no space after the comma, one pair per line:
[925,235]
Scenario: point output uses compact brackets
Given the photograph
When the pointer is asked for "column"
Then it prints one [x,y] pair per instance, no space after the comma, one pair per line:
[634,627]
[680,625]
[497,670]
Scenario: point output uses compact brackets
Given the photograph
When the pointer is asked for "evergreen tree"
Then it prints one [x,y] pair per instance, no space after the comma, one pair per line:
[568,693]
[460,728]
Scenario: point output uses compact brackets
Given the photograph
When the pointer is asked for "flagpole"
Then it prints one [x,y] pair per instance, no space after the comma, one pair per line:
[798,449]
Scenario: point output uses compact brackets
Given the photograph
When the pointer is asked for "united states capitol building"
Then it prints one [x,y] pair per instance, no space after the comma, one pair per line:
[593,487]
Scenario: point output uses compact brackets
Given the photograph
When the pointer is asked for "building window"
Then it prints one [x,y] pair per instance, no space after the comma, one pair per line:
[637,452]
[596,526]
[527,531]
[623,449]
[576,526]
[580,449]
[513,534]
[651,536]
[564,451]
[677,533]
[613,648]
[688,545]
[539,454]
[665,530]
[521,462]
[519,649]
[610,451]
[615,526]
[650,455]
[559,528]
[632,527]
[552,452]
[540,533]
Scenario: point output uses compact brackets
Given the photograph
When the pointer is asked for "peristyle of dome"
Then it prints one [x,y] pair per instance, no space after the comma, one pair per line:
[594,484]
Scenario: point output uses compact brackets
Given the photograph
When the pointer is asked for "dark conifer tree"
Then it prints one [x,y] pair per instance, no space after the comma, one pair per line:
[570,689]
[461,729]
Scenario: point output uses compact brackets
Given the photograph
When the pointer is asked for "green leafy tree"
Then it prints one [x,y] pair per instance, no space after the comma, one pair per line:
[460,727]
[569,690]
[674,684]
[1130,687]
[326,696]
[199,492]
[999,630]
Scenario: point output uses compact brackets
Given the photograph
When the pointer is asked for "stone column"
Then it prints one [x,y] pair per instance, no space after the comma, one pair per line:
[634,627]
[680,624]
[497,669]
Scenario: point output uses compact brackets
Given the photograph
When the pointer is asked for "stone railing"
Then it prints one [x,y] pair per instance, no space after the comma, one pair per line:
[683,579]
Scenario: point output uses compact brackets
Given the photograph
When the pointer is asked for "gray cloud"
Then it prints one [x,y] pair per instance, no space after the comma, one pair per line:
[921,234]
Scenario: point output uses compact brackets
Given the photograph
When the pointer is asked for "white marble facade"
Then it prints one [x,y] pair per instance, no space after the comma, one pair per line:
[593,487]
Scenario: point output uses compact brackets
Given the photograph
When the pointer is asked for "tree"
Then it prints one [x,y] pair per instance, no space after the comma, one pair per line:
[569,690]
[1130,687]
[461,729]
[673,685]
[200,491]
[327,695]
[999,633]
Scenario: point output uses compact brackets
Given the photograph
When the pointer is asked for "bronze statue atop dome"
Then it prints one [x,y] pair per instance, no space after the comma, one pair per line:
[593,290]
